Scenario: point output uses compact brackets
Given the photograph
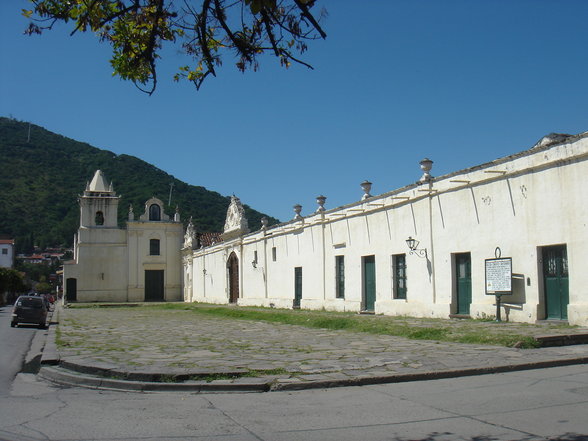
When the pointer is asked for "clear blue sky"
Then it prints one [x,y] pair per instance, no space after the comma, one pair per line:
[461,82]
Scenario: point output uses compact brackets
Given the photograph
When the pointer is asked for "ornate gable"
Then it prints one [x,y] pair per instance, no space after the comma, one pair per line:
[236,223]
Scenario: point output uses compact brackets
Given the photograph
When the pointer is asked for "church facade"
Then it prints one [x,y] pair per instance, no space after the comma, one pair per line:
[424,250]
[111,264]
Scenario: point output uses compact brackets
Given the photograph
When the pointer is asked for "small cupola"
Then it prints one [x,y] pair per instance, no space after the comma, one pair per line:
[99,184]
[99,203]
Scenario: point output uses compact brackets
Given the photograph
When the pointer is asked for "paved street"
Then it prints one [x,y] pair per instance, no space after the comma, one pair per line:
[14,347]
[529,405]
[544,404]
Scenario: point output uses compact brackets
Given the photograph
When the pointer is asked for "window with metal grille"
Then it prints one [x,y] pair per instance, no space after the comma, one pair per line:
[154,247]
[340,277]
[399,275]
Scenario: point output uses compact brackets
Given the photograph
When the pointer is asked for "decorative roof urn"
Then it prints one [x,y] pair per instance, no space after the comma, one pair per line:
[297,210]
[426,166]
[320,200]
[366,186]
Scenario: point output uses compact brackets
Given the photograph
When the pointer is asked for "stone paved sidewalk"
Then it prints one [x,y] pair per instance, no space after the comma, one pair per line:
[179,342]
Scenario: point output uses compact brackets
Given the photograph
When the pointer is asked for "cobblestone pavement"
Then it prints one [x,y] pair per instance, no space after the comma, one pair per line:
[144,340]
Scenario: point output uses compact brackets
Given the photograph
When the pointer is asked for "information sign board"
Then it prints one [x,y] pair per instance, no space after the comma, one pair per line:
[499,276]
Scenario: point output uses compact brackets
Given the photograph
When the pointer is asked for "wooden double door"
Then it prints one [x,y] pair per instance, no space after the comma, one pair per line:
[233,269]
[154,286]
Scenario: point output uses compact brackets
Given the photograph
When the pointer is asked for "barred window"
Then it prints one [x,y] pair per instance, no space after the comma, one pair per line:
[154,247]
[399,274]
[340,277]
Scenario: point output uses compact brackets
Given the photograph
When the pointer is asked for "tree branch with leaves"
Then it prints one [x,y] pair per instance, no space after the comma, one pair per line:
[205,30]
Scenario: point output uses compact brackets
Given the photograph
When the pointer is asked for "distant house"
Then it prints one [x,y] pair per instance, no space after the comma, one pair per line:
[36,259]
[6,253]
[46,257]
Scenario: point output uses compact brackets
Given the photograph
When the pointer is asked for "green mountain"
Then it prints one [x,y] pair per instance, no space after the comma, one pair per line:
[43,175]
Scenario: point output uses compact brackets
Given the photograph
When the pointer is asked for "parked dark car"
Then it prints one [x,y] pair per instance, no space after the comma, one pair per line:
[29,309]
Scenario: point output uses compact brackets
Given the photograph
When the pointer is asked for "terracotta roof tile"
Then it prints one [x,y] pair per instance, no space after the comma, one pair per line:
[208,239]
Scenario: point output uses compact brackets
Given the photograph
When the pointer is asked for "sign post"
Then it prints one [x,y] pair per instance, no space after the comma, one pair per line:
[498,278]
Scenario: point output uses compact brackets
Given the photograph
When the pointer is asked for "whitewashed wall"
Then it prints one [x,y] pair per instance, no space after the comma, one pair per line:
[520,203]
[100,266]
[170,238]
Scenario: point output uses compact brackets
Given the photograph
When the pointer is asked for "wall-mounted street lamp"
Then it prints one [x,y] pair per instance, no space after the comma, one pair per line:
[413,247]
[254,261]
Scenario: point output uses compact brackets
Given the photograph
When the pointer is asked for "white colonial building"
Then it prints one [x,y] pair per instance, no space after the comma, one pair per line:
[420,250]
[141,262]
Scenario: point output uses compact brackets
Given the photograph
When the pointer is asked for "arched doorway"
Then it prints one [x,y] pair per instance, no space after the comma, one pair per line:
[233,267]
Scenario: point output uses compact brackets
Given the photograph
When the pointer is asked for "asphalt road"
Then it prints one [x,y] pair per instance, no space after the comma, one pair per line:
[14,345]
[544,404]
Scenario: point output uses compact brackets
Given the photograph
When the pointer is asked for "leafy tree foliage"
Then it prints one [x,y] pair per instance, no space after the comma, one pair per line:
[44,175]
[43,288]
[11,281]
[37,272]
[204,29]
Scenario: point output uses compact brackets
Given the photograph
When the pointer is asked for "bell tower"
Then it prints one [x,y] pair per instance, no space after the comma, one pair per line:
[99,204]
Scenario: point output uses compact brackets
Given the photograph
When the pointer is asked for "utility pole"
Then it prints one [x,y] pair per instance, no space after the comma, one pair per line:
[171,187]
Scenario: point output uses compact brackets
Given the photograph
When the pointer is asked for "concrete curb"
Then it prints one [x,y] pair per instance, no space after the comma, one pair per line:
[562,340]
[175,375]
[425,376]
[50,354]
[63,376]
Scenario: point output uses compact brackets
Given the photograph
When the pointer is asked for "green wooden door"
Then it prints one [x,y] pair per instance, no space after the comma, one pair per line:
[369,283]
[297,286]
[463,267]
[154,291]
[555,278]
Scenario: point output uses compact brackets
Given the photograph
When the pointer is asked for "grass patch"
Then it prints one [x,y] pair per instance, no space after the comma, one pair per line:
[59,340]
[475,331]
[233,376]
[464,331]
